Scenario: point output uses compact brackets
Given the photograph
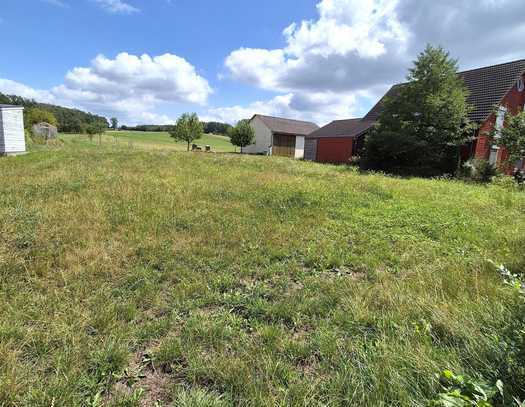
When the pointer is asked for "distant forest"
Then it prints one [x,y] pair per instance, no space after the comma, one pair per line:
[77,121]
[69,120]
[209,128]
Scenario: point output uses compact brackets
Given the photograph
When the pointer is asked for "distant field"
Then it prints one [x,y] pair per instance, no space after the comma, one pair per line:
[157,140]
[162,278]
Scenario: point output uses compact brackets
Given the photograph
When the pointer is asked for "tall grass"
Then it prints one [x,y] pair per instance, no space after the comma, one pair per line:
[131,278]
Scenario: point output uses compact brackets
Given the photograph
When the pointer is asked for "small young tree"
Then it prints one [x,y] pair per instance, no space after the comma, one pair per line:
[91,130]
[421,129]
[512,137]
[188,128]
[242,134]
[96,128]
[114,123]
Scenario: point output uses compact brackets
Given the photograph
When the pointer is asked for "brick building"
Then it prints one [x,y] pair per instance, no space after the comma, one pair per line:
[494,91]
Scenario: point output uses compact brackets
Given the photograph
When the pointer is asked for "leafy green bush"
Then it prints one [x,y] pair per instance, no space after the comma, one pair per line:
[508,362]
[465,391]
[478,171]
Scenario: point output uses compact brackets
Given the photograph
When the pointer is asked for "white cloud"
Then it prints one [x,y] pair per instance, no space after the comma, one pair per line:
[129,86]
[320,108]
[58,3]
[117,6]
[10,87]
[357,48]
[344,49]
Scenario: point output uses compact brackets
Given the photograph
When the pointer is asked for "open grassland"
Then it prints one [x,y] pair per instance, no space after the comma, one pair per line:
[152,141]
[133,278]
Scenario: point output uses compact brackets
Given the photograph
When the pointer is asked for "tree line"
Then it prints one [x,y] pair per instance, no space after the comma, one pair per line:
[207,127]
[65,119]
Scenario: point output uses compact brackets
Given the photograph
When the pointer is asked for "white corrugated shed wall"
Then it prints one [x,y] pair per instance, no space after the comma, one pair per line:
[299,147]
[263,138]
[12,138]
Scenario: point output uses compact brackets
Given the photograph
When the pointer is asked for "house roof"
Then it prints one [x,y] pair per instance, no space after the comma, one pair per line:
[10,107]
[487,86]
[342,128]
[287,126]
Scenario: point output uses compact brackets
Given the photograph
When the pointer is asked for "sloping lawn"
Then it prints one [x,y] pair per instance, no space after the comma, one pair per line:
[152,141]
[134,278]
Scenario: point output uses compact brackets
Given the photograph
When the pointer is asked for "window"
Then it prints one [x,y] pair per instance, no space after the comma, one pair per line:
[500,120]
[493,157]
[520,85]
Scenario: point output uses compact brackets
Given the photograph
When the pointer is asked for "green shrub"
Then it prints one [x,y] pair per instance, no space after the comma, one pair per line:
[506,182]
[478,171]
[465,391]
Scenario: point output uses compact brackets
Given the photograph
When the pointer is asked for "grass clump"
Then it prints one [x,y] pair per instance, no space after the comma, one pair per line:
[133,278]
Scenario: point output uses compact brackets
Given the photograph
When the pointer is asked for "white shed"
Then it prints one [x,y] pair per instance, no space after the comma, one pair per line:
[12,137]
[279,136]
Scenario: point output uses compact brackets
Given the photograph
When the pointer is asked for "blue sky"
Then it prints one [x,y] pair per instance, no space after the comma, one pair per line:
[148,61]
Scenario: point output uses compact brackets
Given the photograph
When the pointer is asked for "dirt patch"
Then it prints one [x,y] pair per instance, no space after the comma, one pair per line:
[144,379]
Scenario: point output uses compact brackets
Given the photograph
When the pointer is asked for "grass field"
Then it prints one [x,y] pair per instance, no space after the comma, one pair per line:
[153,141]
[133,277]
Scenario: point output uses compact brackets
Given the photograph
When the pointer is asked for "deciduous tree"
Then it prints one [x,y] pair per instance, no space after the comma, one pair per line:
[242,134]
[34,115]
[188,129]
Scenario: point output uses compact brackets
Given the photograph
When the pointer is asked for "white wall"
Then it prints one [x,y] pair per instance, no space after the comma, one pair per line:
[299,147]
[263,138]
[12,137]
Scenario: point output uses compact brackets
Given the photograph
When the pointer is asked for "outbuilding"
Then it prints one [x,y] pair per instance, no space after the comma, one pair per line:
[336,142]
[45,130]
[279,136]
[12,137]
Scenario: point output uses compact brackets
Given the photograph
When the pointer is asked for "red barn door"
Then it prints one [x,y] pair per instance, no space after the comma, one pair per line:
[335,150]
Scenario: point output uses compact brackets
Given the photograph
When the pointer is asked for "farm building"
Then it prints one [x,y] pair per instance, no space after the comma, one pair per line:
[497,88]
[12,136]
[278,136]
[336,142]
[44,130]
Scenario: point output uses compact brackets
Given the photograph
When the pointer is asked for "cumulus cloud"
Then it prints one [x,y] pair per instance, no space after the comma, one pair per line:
[320,108]
[128,85]
[345,49]
[361,47]
[10,87]
[117,6]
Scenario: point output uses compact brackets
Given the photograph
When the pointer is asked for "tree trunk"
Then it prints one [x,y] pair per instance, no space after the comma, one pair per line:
[241,149]
[188,146]
[458,167]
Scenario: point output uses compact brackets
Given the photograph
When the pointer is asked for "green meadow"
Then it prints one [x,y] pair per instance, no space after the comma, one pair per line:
[152,141]
[153,277]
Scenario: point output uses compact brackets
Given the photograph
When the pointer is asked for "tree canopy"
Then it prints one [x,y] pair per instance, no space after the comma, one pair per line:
[420,130]
[35,115]
[188,128]
[242,134]
[114,123]
[208,127]
[67,120]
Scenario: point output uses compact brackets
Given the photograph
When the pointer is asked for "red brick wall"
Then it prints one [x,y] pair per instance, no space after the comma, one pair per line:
[514,102]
